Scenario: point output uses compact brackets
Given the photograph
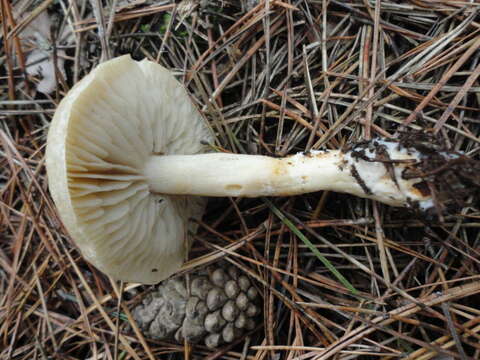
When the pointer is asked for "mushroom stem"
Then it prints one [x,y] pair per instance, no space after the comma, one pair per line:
[221,174]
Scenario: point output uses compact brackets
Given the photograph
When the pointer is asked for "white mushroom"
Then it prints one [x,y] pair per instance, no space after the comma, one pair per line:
[100,139]
[126,152]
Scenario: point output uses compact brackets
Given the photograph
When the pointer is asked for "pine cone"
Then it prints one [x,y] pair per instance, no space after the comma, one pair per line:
[219,307]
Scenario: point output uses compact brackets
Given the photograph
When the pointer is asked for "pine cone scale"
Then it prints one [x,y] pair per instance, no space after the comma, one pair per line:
[216,308]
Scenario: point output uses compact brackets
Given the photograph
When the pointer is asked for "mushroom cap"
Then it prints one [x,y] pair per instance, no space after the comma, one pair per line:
[101,135]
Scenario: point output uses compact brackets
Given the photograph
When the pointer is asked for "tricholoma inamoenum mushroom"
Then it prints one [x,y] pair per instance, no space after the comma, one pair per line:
[127,168]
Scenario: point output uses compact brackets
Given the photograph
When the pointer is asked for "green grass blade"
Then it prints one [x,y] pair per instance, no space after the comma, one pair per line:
[312,248]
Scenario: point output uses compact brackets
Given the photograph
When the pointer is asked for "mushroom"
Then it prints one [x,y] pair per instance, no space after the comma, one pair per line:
[128,164]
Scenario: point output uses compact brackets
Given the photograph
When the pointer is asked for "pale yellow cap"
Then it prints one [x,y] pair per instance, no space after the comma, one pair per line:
[102,133]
